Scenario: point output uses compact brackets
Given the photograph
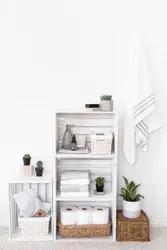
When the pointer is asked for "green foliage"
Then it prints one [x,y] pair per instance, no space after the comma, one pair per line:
[106,97]
[26,156]
[129,193]
[100,181]
[39,164]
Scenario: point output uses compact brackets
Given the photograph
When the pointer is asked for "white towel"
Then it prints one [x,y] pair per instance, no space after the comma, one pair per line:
[28,203]
[71,188]
[141,116]
[74,174]
[81,182]
[74,194]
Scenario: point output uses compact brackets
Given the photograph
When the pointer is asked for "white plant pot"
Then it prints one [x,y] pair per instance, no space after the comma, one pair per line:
[106,105]
[131,209]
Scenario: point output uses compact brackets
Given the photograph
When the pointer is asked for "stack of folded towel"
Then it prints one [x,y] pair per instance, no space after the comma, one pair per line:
[74,183]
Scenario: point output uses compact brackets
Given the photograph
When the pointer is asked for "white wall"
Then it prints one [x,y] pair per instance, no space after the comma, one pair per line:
[58,54]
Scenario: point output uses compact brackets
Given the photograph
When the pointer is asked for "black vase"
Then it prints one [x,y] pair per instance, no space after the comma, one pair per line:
[26,161]
[100,188]
[39,171]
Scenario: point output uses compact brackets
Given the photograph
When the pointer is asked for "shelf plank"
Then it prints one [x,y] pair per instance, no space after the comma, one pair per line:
[107,238]
[83,156]
[92,197]
[17,178]
[18,237]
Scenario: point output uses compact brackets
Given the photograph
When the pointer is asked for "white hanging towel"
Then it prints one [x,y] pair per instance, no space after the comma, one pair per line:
[140,116]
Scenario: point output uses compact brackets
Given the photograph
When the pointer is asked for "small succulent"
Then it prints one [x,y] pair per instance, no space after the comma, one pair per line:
[106,97]
[27,156]
[40,164]
[100,181]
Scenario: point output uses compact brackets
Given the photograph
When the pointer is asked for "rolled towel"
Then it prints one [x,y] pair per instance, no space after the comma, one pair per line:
[72,174]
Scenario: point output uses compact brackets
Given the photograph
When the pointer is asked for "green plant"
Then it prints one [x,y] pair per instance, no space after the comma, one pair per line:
[26,156]
[130,192]
[40,164]
[100,181]
[106,97]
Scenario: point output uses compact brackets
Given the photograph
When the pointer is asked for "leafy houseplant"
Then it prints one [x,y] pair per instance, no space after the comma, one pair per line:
[26,159]
[39,168]
[106,103]
[100,184]
[131,199]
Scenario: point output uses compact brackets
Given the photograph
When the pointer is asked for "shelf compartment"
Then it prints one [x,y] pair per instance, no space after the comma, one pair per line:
[44,191]
[92,197]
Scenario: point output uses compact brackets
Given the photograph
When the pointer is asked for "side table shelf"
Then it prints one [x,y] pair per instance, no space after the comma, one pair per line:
[43,188]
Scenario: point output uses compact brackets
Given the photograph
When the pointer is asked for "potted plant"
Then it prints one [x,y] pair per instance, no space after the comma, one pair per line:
[106,103]
[39,168]
[131,199]
[26,159]
[100,184]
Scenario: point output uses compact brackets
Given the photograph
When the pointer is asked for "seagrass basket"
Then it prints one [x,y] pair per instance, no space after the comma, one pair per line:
[132,229]
[80,231]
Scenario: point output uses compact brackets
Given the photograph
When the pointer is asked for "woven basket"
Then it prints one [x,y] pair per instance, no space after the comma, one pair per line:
[34,226]
[80,231]
[132,229]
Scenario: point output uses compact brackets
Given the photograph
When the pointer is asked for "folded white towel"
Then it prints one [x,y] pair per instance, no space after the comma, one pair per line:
[71,188]
[141,116]
[81,182]
[72,174]
[74,194]
[28,203]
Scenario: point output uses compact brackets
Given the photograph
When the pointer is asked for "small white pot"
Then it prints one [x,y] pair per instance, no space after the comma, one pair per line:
[131,209]
[106,105]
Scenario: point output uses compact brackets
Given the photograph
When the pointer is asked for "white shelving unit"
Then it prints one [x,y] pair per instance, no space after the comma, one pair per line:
[48,186]
[98,165]
[43,187]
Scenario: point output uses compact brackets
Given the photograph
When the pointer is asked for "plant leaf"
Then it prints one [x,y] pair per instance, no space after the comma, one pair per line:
[135,187]
[131,185]
[126,182]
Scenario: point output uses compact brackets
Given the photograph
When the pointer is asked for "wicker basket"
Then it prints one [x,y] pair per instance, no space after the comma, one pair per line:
[80,231]
[132,229]
[34,226]
[101,144]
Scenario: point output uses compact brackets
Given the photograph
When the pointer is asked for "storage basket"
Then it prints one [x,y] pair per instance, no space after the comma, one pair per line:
[80,231]
[132,229]
[101,144]
[34,226]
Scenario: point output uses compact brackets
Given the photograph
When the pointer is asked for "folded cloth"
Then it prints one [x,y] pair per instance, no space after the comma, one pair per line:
[74,194]
[72,174]
[28,203]
[71,188]
[81,182]
[141,117]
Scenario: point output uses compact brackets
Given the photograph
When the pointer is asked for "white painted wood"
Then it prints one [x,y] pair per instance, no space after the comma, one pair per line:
[17,178]
[44,190]
[92,197]
[98,165]
[103,239]
[83,156]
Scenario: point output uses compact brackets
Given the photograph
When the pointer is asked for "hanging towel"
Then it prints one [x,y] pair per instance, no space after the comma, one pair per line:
[141,117]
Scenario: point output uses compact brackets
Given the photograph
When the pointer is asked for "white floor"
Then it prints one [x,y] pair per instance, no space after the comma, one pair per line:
[158,242]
